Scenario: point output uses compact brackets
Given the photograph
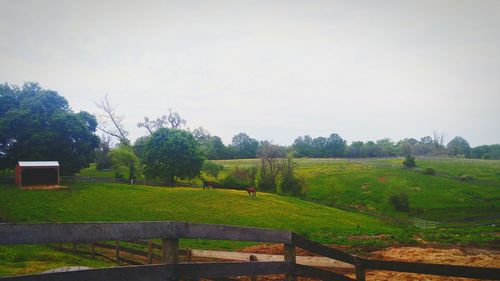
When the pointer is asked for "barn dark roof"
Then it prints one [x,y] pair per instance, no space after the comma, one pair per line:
[38,164]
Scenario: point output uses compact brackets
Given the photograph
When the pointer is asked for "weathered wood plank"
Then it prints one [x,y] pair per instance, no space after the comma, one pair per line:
[125,273]
[435,269]
[117,251]
[289,256]
[164,272]
[82,232]
[225,232]
[89,232]
[150,252]
[318,248]
[221,270]
[313,272]
[170,251]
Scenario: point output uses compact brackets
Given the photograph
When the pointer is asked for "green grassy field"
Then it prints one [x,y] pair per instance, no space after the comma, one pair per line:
[119,202]
[467,209]
[26,259]
[366,184]
[83,202]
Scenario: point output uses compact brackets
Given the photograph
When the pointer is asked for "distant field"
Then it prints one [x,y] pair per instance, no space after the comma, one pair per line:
[367,184]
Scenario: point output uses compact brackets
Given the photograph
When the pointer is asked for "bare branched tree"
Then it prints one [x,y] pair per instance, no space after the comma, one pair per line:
[273,160]
[175,119]
[109,115]
[438,139]
[172,120]
[149,125]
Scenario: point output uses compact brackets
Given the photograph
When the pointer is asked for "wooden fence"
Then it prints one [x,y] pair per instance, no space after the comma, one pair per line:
[171,269]
[423,224]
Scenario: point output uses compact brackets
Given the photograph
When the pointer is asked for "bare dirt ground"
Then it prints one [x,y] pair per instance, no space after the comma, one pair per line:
[457,256]
[428,254]
[29,187]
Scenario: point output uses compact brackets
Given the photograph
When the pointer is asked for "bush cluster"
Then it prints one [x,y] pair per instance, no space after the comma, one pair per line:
[409,162]
[400,202]
[429,171]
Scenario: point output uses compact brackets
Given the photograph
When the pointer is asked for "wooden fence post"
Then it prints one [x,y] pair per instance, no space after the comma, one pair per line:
[253,259]
[170,251]
[360,270]
[93,250]
[189,255]
[290,257]
[150,252]
[117,249]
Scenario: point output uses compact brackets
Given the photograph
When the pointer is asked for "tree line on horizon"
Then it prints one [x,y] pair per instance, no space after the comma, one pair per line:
[334,146]
[38,124]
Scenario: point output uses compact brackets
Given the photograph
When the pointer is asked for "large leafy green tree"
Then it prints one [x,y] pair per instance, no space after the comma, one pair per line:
[211,146]
[37,124]
[458,146]
[302,146]
[245,146]
[335,146]
[172,154]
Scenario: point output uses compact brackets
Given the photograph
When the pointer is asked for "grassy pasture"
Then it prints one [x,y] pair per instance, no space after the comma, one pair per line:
[85,202]
[118,202]
[30,259]
[367,184]
[363,184]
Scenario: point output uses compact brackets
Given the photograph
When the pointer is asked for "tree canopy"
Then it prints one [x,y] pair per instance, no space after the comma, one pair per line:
[38,124]
[458,146]
[245,146]
[172,154]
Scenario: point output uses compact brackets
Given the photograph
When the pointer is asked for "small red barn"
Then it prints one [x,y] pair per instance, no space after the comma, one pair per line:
[30,173]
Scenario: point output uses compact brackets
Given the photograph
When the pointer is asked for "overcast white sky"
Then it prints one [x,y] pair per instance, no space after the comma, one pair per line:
[273,69]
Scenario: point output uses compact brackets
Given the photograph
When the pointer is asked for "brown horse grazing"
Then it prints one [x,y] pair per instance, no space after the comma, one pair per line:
[208,184]
[252,192]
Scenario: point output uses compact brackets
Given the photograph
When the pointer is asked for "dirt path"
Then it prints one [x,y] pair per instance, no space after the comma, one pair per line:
[305,260]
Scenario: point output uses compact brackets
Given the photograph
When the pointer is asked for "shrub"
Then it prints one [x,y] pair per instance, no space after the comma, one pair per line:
[232,182]
[240,178]
[409,162]
[212,169]
[400,202]
[429,171]
[119,175]
[466,177]
[267,183]
[290,183]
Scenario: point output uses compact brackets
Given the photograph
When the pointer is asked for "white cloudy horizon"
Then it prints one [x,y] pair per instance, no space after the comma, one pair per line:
[275,70]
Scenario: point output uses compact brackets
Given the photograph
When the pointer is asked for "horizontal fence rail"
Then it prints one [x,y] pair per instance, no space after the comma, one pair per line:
[171,232]
[88,232]
[165,272]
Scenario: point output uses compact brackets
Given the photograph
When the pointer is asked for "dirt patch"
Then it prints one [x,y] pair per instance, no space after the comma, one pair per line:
[277,249]
[383,179]
[367,237]
[30,187]
[455,256]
